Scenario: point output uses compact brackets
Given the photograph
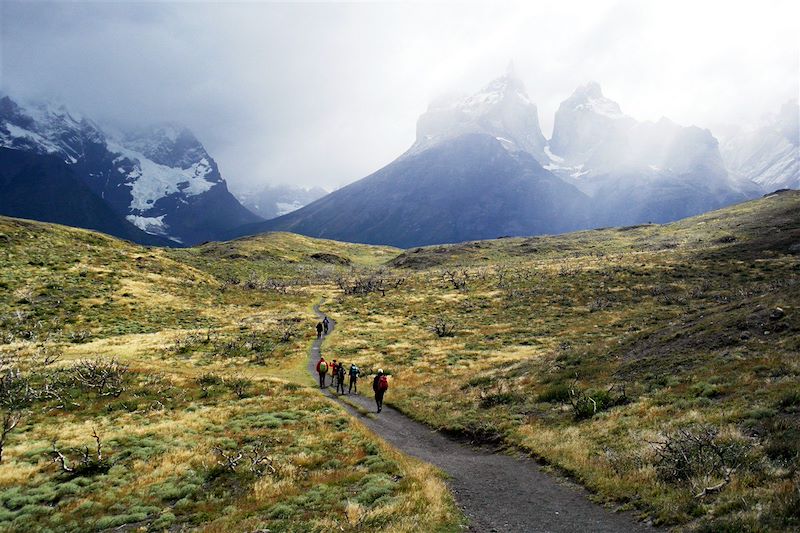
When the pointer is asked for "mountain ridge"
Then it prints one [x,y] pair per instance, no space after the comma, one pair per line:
[160,179]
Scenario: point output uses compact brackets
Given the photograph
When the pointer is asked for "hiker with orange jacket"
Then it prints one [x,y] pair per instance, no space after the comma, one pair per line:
[380,385]
[322,369]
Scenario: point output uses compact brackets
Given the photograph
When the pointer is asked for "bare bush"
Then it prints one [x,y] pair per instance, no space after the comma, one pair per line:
[363,283]
[239,385]
[697,455]
[443,327]
[287,329]
[16,395]
[88,462]
[106,377]
[229,461]
[256,454]
[260,460]
[458,278]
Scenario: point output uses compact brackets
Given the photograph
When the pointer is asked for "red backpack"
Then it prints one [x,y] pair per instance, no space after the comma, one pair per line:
[383,384]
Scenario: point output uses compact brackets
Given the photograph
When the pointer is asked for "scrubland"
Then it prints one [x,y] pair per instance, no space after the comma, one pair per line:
[656,365]
[152,389]
[155,390]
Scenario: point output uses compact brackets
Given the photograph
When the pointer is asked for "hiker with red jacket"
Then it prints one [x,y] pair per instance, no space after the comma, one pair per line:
[380,385]
[322,369]
[334,370]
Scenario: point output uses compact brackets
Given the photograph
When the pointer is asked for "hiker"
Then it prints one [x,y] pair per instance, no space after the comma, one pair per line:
[340,378]
[322,369]
[334,372]
[319,329]
[380,385]
[326,324]
[353,379]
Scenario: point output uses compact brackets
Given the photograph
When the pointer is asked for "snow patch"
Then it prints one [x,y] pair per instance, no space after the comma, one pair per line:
[151,225]
[15,132]
[552,156]
[601,106]
[150,181]
[284,208]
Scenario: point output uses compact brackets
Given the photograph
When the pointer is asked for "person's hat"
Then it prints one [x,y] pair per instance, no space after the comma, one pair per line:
[380,371]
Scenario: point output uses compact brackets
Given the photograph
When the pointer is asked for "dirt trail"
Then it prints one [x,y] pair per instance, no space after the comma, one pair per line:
[498,492]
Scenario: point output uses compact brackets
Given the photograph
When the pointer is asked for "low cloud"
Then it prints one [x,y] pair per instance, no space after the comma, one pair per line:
[324,94]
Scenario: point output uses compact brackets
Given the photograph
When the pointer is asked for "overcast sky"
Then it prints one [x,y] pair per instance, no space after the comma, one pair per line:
[326,93]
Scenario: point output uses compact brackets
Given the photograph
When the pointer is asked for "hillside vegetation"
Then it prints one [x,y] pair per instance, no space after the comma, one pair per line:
[657,364]
[158,390]
[165,389]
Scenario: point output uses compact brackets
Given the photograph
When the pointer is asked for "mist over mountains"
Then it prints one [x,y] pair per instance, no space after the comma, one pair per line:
[480,168]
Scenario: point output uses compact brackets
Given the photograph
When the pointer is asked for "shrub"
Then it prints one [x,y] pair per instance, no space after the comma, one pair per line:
[443,327]
[558,393]
[697,454]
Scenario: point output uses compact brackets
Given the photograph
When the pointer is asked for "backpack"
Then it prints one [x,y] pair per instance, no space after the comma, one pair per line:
[354,370]
[340,372]
[383,384]
[323,367]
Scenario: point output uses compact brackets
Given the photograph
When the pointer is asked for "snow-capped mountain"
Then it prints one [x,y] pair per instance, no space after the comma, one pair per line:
[638,171]
[769,153]
[502,109]
[277,200]
[160,179]
[480,167]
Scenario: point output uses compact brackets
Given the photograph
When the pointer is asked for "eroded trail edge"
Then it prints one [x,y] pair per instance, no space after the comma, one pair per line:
[497,492]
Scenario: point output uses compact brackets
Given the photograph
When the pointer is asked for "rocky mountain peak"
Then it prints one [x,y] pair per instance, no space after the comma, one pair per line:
[166,144]
[501,109]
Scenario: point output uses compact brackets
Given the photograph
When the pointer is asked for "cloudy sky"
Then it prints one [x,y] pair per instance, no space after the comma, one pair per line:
[326,93]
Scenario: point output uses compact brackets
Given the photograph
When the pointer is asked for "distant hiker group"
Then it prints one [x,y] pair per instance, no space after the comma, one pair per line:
[339,371]
[323,327]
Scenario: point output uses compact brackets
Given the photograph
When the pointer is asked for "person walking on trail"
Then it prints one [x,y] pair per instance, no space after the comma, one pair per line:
[319,329]
[340,377]
[326,324]
[322,369]
[380,385]
[334,372]
[353,379]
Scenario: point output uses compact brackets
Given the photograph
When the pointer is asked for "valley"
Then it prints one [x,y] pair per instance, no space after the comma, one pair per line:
[655,365]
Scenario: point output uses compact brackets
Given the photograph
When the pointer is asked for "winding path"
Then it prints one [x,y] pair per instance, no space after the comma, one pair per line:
[497,492]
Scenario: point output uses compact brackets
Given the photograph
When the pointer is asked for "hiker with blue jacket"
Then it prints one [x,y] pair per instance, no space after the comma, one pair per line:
[354,371]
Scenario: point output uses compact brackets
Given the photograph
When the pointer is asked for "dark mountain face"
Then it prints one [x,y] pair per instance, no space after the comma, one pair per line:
[61,196]
[465,188]
[160,179]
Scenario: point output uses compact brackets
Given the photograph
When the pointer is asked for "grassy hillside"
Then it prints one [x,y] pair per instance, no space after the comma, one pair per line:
[656,364]
[160,390]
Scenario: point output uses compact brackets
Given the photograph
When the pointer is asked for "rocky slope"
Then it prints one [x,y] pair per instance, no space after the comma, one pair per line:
[769,153]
